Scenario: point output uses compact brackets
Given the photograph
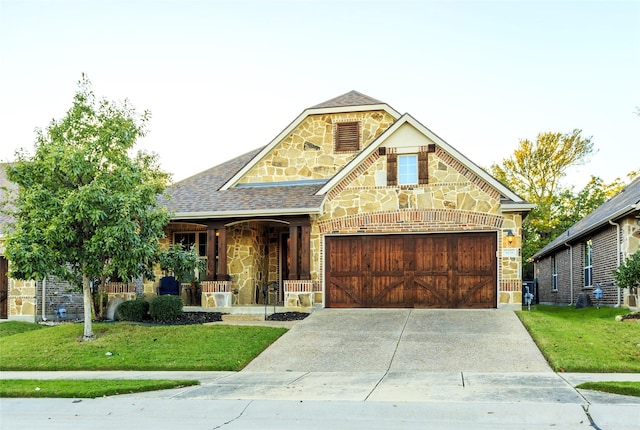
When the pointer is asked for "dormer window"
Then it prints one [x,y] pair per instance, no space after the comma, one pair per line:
[347,137]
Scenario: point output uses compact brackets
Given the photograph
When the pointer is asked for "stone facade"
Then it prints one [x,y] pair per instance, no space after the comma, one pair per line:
[455,199]
[308,151]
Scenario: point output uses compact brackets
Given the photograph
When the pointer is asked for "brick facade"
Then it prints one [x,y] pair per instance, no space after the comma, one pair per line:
[571,281]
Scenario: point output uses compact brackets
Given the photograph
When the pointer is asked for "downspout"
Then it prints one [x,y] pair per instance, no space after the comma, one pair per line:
[618,250]
[44,298]
[570,271]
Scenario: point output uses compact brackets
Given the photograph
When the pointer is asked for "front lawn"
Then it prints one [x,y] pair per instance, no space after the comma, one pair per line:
[614,387]
[85,388]
[584,340]
[129,346]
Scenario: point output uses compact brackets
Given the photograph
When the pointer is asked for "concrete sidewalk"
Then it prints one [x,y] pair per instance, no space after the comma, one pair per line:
[316,400]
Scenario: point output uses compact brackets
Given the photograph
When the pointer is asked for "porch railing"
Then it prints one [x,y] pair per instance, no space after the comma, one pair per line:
[216,294]
[216,286]
[124,290]
[301,293]
[297,286]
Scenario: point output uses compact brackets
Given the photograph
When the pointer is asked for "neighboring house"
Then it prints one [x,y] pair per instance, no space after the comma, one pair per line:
[352,205]
[588,252]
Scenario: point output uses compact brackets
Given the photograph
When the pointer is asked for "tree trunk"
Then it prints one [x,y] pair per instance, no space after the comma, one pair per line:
[87,299]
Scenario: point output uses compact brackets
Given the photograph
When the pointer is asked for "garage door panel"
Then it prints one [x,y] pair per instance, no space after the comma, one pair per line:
[385,253]
[346,291]
[341,255]
[431,291]
[476,292]
[474,254]
[389,291]
[423,270]
[432,253]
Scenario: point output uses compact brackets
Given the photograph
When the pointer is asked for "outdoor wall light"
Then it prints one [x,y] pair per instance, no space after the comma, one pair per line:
[510,237]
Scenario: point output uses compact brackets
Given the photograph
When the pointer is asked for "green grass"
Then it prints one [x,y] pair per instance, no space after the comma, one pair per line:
[614,387]
[9,328]
[129,346]
[84,388]
[584,340]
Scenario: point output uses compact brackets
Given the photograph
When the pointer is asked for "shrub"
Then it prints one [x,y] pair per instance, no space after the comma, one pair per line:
[166,307]
[133,310]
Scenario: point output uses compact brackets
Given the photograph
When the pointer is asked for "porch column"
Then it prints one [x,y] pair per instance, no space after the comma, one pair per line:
[293,251]
[222,254]
[211,254]
[305,253]
[300,249]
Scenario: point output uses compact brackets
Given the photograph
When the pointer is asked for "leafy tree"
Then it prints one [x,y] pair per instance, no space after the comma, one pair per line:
[570,207]
[535,171]
[182,263]
[628,274]
[85,208]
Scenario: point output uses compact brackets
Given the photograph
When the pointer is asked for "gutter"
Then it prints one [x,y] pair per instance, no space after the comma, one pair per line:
[622,212]
[240,214]
[570,271]
[618,250]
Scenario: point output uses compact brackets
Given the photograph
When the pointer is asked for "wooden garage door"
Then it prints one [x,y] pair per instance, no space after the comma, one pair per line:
[405,271]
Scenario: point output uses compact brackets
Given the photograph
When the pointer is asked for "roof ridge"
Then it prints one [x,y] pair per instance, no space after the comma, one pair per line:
[351,98]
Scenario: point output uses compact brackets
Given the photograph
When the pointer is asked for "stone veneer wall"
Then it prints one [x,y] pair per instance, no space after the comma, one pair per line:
[247,262]
[455,199]
[22,301]
[308,153]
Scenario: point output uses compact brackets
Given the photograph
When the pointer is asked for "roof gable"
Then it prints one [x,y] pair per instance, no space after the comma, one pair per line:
[623,203]
[345,103]
[464,161]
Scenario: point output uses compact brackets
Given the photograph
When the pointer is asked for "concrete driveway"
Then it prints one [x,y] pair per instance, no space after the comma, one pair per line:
[400,340]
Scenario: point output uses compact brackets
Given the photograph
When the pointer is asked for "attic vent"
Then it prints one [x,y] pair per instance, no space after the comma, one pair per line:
[347,137]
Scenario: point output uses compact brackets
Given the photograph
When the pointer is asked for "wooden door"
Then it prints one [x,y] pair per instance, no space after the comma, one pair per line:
[426,270]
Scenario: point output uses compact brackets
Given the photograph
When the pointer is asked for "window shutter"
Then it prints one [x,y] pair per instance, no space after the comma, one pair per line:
[423,167]
[347,136]
[392,169]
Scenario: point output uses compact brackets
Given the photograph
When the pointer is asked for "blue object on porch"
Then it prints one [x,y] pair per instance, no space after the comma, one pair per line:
[169,285]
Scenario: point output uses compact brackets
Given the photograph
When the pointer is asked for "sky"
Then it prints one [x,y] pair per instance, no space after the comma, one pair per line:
[222,78]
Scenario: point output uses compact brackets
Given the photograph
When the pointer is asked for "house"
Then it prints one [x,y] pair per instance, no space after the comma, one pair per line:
[587,253]
[352,205]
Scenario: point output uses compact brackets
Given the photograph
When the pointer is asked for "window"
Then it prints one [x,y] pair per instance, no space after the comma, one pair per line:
[554,268]
[408,169]
[197,240]
[588,263]
[347,136]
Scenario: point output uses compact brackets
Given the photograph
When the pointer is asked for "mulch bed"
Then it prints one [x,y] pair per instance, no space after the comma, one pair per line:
[208,317]
[287,316]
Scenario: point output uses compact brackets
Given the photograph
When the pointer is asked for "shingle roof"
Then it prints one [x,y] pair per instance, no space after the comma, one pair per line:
[352,98]
[625,202]
[200,193]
